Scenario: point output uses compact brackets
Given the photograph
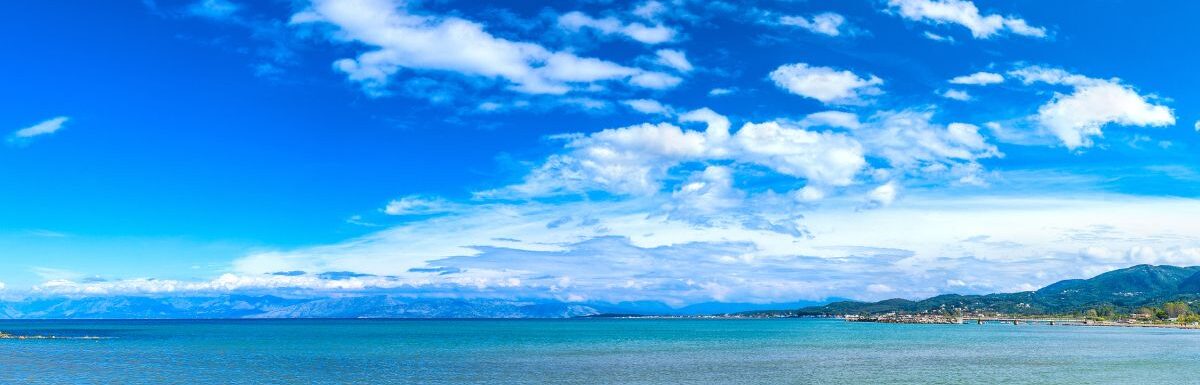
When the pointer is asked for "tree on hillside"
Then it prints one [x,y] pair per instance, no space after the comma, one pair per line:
[1176,309]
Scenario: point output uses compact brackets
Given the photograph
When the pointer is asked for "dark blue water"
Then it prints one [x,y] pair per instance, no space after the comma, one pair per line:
[589,351]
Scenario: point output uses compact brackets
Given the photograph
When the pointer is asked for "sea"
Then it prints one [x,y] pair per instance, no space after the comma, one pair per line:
[590,351]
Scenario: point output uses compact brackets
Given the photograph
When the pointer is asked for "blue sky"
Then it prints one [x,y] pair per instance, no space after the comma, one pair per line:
[667,150]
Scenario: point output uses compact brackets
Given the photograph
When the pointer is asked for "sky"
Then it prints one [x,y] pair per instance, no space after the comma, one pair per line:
[667,150]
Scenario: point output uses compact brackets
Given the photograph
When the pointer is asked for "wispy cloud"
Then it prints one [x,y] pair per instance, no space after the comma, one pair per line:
[419,205]
[963,13]
[46,127]
[648,34]
[979,79]
[398,39]
[917,246]
[828,23]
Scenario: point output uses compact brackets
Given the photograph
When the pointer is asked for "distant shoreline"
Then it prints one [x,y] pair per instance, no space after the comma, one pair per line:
[1049,321]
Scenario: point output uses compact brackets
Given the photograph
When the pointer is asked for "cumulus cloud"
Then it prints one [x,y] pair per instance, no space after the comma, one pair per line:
[1077,117]
[635,159]
[911,142]
[822,158]
[827,23]
[648,106]
[828,85]
[647,34]
[979,79]
[964,13]
[397,39]
[717,125]
[627,160]
[675,59]
[826,150]
[46,127]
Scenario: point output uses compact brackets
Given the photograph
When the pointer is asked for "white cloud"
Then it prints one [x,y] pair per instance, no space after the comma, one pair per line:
[490,106]
[825,84]
[964,13]
[656,34]
[717,129]
[821,158]
[655,80]
[720,91]
[979,79]
[675,59]
[627,160]
[827,23]
[635,159]
[810,193]
[706,193]
[883,195]
[1056,76]
[1077,117]
[936,37]
[909,140]
[649,34]
[959,95]
[418,205]
[840,119]
[650,10]
[397,39]
[648,106]
[1196,126]
[44,128]
[916,245]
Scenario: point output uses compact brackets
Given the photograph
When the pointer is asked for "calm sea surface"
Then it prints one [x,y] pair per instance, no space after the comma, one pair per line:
[589,351]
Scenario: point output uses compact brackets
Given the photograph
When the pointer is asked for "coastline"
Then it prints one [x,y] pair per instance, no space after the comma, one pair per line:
[980,320]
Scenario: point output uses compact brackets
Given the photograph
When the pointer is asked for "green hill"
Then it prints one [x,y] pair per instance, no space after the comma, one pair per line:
[1125,290]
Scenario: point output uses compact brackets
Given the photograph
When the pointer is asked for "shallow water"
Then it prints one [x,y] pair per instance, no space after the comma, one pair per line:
[588,351]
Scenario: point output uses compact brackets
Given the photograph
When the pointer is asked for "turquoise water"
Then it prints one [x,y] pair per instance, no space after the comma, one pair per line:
[589,351]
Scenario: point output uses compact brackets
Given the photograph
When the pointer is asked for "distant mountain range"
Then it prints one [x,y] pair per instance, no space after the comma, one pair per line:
[370,306]
[1125,290]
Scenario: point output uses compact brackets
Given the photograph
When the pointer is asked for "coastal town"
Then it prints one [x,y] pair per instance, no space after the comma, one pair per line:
[1134,320]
